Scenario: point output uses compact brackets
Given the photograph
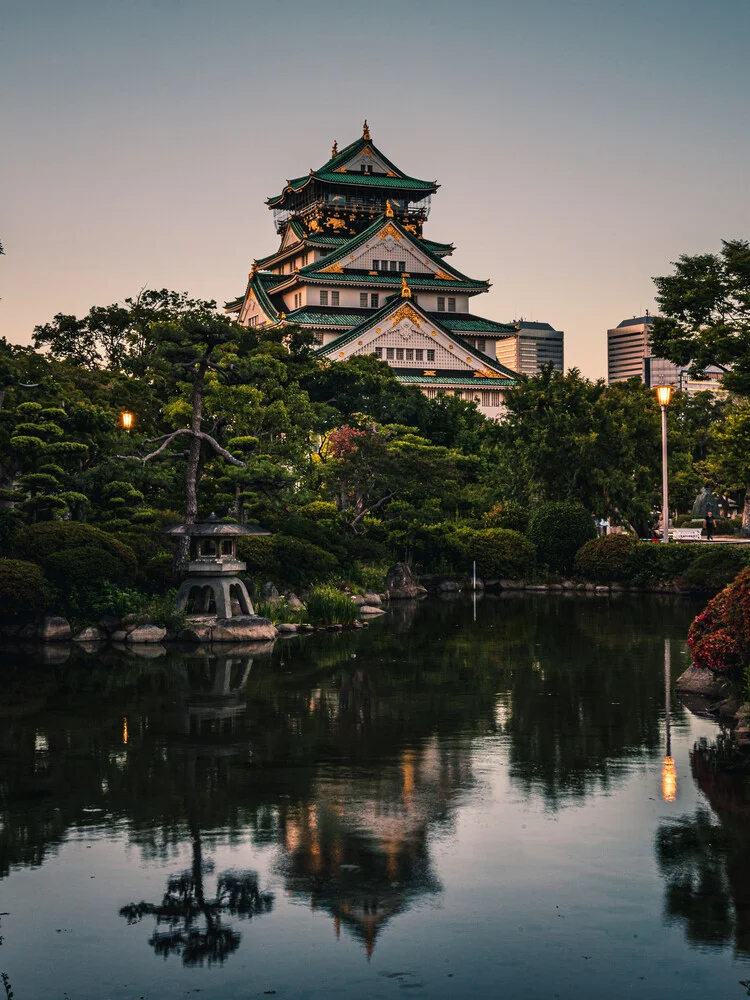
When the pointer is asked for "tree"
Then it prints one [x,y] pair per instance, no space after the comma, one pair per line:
[705,314]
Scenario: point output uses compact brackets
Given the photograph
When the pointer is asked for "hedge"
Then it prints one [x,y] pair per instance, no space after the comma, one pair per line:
[100,557]
[719,638]
[558,529]
[23,586]
[608,559]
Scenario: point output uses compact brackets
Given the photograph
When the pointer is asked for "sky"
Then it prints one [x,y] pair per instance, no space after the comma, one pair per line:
[581,145]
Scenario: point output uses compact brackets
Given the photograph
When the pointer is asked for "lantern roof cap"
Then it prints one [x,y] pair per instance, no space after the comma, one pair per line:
[216,527]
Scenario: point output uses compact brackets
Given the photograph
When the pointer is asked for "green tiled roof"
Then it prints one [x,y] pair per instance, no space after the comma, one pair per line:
[457,380]
[358,241]
[466,323]
[344,317]
[416,281]
[437,248]
[395,303]
[361,180]
[234,302]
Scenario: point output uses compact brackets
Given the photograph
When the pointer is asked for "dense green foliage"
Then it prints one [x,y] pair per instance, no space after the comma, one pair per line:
[712,570]
[345,465]
[608,559]
[326,605]
[22,586]
[558,529]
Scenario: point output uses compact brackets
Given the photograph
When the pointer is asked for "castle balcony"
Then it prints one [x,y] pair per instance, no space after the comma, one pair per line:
[331,212]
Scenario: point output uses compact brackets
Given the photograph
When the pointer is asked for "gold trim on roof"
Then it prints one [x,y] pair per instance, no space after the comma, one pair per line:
[444,276]
[390,230]
[366,132]
[406,311]
[332,269]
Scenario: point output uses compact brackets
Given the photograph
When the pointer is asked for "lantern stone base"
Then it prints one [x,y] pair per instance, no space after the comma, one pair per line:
[201,589]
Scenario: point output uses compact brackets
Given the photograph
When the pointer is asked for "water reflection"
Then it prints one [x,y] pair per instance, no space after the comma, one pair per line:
[347,755]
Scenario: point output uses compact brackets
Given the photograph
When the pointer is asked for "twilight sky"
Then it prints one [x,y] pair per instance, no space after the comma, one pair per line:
[581,145]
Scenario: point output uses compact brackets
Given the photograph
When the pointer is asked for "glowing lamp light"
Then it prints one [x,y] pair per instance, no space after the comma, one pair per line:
[126,419]
[664,394]
[668,780]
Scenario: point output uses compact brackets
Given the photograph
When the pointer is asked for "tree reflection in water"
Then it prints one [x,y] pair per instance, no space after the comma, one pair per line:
[704,858]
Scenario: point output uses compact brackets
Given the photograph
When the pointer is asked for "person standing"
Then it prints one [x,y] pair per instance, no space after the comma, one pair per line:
[709,526]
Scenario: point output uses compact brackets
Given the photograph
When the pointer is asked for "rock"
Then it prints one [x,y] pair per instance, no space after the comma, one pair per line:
[616,587]
[286,628]
[294,602]
[358,600]
[269,592]
[399,583]
[568,585]
[130,621]
[358,624]
[234,606]
[306,627]
[370,610]
[448,587]
[602,590]
[119,636]
[110,623]
[91,634]
[244,628]
[146,634]
[699,680]
[55,629]
[472,584]
[538,586]
[505,584]
[557,587]
[372,598]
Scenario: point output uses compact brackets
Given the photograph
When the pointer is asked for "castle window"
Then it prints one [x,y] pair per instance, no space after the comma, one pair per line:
[374,300]
[441,303]
[399,354]
[334,298]
[253,321]
[490,399]
[394,265]
[389,353]
[430,355]
[363,300]
[419,355]
[378,352]
[402,265]
[304,259]
[324,298]
[409,354]
[451,305]
[376,265]
[481,345]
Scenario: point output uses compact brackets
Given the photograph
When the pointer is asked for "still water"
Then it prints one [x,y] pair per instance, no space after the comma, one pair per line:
[455,807]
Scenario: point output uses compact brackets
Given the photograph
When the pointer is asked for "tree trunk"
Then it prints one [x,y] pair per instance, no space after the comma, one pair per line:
[746,512]
[193,462]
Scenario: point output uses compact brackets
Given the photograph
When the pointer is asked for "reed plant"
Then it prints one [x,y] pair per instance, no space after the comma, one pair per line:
[328,606]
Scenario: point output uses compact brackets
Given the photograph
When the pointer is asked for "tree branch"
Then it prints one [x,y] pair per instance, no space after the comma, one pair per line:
[167,439]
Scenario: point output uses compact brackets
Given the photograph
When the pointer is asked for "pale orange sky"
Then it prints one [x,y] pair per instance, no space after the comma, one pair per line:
[580,147]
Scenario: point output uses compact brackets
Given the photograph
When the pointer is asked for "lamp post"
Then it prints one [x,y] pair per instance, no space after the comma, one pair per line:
[126,419]
[664,398]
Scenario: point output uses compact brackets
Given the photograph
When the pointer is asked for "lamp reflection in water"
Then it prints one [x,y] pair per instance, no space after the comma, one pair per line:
[668,770]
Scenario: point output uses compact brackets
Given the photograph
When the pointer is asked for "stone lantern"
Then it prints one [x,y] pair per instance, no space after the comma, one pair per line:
[214,567]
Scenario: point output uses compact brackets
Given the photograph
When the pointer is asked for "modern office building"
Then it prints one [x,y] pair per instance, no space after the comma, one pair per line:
[532,346]
[629,356]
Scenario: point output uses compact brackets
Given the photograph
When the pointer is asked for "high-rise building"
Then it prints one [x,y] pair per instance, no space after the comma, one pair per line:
[532,346]
[354,267]
[629,356]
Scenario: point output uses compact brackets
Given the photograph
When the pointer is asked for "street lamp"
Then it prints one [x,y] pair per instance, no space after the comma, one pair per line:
[126,419]
[664,398]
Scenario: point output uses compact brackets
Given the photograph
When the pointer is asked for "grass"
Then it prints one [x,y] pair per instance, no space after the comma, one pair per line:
[328,606]
[280,612]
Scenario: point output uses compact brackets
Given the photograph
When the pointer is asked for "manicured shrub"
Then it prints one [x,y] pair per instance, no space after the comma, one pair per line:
[328,606]
[714,568]
[659,563]
[23,586]
[719,638]
[507,514]
[558,529]
[286,561]
[608,559]
[88,604]
[51,544]
[498,553]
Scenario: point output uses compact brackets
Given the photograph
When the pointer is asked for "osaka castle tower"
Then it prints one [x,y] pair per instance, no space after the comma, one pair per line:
[355,268]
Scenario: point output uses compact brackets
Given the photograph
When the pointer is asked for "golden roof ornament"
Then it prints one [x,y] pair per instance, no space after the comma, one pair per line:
[254,269]
[366,131]
[388,209]
[405,290]
[334,148]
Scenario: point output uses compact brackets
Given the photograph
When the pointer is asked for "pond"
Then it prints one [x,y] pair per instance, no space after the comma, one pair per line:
[499,800]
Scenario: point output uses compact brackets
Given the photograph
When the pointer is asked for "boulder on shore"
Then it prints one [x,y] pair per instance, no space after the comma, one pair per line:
[370,610]
[146,634]
[55,629]
[91,634]
[400,585]
[699,680]
[240,628]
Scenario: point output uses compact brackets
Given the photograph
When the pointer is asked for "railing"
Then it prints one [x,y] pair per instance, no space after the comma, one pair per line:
[415,211]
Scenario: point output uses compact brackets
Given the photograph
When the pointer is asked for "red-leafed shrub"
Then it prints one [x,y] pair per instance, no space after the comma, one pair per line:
[719,638]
